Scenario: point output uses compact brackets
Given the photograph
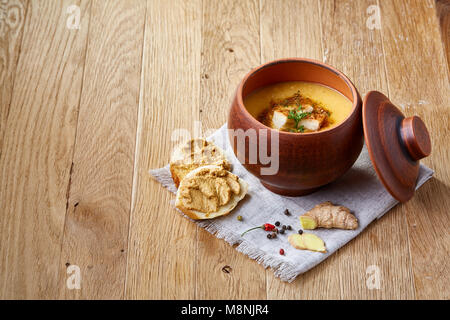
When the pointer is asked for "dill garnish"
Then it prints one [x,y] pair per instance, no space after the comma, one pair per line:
[297,116]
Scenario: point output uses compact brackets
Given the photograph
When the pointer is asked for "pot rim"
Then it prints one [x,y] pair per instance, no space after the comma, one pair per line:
[356,98]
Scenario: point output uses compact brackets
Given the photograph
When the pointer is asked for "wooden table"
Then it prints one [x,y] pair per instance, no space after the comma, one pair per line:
[89,105]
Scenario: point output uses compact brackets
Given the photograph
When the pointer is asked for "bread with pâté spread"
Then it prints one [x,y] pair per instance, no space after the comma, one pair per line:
[209,192]
[193,154]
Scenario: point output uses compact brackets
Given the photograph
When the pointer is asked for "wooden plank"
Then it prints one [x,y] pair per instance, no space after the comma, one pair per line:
[418,82]
[162,246]
[230,49]
[290,29]
[352,43]
[41,81]
[12,18]
[96,228]
[37,150]
[293,29]
[443,14]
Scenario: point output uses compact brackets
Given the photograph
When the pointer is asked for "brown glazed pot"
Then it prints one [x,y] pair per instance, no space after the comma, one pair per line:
[307,161]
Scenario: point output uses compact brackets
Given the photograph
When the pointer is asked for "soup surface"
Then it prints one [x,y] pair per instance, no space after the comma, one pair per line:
[298,106]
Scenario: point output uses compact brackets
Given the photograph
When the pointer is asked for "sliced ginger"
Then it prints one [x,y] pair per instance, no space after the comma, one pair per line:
[308,223]
[326,215]
[307,241]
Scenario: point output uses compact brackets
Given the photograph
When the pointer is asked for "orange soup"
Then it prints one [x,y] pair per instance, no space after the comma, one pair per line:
[298,106]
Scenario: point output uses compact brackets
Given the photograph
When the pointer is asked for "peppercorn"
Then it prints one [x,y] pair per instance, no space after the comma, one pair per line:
[282,231]
[286,212]
[289,227]
[239,218]
[276,230]
[277,223]
[281,251]
[300,231]
[284,227]
[269,236]
[274,235]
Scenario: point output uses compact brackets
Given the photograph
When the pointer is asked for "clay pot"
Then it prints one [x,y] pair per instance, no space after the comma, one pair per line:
[306,161]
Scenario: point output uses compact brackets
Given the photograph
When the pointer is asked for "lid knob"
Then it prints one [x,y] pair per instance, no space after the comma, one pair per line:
[415,137]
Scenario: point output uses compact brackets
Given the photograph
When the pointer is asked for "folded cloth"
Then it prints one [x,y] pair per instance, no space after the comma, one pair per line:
[359,189]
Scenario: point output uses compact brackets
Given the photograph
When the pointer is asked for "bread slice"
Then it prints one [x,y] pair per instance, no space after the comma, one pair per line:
[190,188]
[193,154]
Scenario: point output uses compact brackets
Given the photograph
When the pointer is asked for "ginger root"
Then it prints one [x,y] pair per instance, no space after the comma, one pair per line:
[308,223]
[307,241]
[326,215]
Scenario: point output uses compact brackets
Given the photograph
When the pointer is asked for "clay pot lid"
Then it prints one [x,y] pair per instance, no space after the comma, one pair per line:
[395,144]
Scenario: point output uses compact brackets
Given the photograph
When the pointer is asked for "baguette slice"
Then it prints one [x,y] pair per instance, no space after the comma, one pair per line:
[183,205]
[193,154]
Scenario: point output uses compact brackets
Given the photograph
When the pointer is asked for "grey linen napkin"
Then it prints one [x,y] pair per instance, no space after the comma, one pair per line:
[359,190]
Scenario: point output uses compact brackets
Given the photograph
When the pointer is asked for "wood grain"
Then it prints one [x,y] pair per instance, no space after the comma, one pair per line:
[77,140]
[230,48]
[357,50]
[418,82]
[96,224]
[290,29]
[37,150]
[443,14]
[162,246]
[297,34]
[11,29]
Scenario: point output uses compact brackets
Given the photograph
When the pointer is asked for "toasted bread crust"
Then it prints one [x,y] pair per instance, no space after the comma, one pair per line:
[191,214]
[175,177]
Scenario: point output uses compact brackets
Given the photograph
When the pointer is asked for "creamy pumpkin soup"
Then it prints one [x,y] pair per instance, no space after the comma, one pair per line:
[298,106]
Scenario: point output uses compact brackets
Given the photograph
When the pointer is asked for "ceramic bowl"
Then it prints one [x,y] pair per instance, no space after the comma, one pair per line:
[307,161]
